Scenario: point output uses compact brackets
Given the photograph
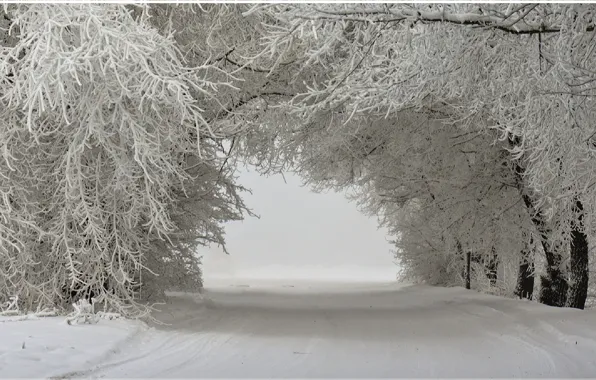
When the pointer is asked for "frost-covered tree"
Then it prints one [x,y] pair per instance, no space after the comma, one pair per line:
[112,168]
[438,189]
[522,71]
[121,126]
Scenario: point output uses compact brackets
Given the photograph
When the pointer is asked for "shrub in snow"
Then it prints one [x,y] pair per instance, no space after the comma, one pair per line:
[83,312]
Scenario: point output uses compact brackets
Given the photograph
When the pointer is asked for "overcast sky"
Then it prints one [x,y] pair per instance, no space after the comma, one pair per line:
[300,234]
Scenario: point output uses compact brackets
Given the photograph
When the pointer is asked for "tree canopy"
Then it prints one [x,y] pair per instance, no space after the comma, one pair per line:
[466,128]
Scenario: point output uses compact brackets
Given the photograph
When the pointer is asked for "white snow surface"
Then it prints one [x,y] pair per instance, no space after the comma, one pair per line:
[241,329]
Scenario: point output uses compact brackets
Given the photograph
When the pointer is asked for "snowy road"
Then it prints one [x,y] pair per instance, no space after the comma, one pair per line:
[381,330]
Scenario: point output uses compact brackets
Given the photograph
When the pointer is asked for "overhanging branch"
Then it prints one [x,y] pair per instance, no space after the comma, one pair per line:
[471,19]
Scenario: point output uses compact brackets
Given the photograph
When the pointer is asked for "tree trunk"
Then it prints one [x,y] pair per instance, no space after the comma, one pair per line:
[468,268]
[578,264]
[525,276]
[491,267]
[553,285]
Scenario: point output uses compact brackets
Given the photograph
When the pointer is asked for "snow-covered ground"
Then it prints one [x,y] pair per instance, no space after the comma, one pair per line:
[305,329]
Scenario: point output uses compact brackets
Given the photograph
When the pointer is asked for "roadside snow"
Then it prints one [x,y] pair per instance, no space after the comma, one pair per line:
[300,329]
[45,347]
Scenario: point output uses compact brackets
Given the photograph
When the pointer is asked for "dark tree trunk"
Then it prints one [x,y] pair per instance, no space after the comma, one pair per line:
[578,264]
[462,255]
[468,268]
[525,281]
[553,285]
[525,276]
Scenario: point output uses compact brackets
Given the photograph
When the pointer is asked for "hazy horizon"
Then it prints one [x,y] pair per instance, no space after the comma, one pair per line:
[300,235]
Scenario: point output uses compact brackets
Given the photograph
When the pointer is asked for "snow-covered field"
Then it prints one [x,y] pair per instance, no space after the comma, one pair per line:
[301,329]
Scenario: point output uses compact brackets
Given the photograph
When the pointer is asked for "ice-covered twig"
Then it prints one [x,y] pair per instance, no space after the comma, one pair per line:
[10,307]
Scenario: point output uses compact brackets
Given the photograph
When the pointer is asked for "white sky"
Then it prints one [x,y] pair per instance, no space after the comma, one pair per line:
[300,234]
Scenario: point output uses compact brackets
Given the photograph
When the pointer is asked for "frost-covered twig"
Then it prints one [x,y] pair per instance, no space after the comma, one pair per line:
[10,307]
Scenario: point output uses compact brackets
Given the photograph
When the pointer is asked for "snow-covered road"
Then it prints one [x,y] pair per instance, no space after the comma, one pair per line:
[382,330]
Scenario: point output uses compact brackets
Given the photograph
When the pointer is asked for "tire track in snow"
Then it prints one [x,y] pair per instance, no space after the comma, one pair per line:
[539,353]
[137,333]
